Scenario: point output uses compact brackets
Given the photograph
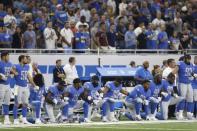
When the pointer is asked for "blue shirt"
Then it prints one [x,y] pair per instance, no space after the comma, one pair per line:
[93,91]
[56,94]
[168,88]
[21,78]
[130,39]
[41,22]
[163,40]
[113,90]
[74,94]
[156,88]
[5,68]
[151,42]
[139,92]
[61,16]
[81,40]
[185,72]
[143,74]
[36,96]
[5,40]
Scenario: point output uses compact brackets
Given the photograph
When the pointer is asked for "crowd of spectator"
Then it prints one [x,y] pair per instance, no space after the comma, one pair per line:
[93,24]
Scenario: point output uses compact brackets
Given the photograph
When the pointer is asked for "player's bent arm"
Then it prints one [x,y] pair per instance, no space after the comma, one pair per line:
[48,98]
[105,90]
[124,92]
[30,79]
[14,71]
[176,69]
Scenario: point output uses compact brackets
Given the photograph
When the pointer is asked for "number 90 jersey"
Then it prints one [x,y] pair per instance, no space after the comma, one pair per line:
[21,78]
[185,72]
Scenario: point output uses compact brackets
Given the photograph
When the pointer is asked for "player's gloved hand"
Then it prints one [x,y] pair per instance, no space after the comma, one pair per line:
[101,95]
[154,100]
[175,95]
[139,100]
[191,78]
[142,97]
[3,77]
[89,98]
[37,88]
[95,102]
[66,99]
[146,102]
[159,99]
[165,94]
[55,101]
[195,75]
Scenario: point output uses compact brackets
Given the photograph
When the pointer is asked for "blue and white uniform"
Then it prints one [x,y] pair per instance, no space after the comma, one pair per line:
[57,98]
[5,92]
[110,98]
[138,97]
[73,100]
[168,98]
[185,75]
[97,98]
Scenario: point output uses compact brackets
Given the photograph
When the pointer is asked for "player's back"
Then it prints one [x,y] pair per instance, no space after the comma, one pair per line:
[113,90]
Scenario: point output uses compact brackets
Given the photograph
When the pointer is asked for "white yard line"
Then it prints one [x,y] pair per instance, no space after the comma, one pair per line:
[97,123]
[124,128]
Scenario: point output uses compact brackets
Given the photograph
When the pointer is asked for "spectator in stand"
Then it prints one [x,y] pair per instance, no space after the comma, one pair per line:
[194,39]
[163,38]
[82,22]
[178,23]
[93,32]
[158,21]
[121,30]
[175,42]
[85,12]
[2,14]
[60,16]
[111,36]
[151,35]
[81,42]
[130,38]
[29,38]
[5,38]
[50,36]
[17,39]
[185,37]
[9,18]
[67,37]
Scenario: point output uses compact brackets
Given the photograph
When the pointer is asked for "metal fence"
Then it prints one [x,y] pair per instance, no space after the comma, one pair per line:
[98,51]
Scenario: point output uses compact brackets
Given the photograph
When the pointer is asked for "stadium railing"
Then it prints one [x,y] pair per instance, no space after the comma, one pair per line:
[99,51]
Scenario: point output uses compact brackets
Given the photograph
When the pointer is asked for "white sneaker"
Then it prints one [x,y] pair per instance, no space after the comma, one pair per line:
[104,119]
[138,118]
[190,116]
[24,121]
[38,121]
[179,116]
[87,120]
[95,114]
[7,122]
[16,122]
[112,117]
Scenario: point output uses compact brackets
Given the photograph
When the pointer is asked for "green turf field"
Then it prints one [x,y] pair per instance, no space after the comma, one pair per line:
[146,126]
